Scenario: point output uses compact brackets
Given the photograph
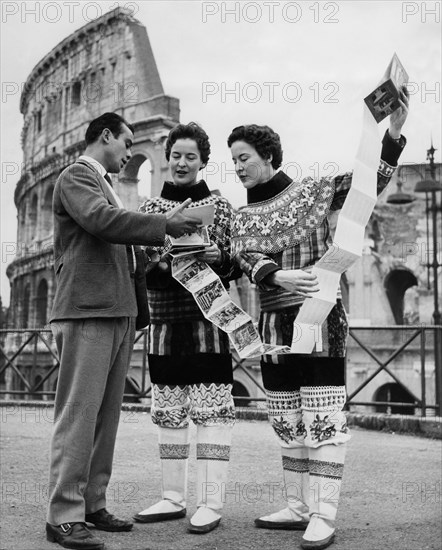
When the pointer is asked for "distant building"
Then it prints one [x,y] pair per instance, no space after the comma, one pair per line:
[390,285]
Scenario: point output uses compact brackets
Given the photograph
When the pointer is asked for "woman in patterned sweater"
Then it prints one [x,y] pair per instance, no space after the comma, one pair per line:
[277,238]
[189,358]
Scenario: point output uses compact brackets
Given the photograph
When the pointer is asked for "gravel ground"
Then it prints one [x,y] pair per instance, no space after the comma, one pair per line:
[390,495]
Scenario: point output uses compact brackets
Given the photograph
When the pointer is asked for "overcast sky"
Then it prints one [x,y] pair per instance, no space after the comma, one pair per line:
[301,67]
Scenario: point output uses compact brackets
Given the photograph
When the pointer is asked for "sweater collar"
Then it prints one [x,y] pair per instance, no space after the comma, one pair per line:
[270,189]
[195,192]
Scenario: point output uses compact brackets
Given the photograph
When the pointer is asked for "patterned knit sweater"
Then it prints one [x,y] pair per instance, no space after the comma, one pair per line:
[168,300]
[285,225]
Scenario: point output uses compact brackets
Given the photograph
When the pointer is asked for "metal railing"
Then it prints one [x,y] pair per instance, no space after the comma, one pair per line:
[21,350]
[417,332]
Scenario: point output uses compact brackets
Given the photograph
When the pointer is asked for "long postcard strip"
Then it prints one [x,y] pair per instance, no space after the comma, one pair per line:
[215,303]
[348,239]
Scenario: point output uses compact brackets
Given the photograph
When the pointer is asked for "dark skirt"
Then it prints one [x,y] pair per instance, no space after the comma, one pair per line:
[190,352]
[201,368]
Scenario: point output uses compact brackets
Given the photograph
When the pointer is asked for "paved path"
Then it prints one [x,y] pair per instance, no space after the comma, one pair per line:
[390,497]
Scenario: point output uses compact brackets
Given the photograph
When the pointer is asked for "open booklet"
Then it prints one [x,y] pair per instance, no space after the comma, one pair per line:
[193,242]
[200,238]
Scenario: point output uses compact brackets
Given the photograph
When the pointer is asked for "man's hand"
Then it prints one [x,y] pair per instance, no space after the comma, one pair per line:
[297,281]
[398,117]
[210,255]
[177,223]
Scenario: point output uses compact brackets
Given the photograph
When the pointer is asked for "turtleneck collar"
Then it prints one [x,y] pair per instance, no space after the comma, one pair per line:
[271,188]
[180,193]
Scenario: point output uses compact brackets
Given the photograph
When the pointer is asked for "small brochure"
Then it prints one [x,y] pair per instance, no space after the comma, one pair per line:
[193,242]
[197,240]
[384,99]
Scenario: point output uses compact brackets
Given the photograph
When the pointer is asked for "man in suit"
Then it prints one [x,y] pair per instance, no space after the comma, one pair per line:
[93,322]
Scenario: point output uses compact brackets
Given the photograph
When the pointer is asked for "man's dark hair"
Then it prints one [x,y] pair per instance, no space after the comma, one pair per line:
[112,121]
[189,131]
[262,138]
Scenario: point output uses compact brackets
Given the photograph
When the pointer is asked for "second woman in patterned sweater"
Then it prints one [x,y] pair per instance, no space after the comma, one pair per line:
[189,358]
[277,239]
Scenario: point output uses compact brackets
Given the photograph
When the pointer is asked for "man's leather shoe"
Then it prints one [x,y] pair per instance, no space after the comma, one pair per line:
[104,521]
[73,535]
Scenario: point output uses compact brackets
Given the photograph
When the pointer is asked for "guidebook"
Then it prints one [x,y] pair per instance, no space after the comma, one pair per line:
[385,98]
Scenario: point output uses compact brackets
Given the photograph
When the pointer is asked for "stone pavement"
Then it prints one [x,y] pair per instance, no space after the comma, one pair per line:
[390,497]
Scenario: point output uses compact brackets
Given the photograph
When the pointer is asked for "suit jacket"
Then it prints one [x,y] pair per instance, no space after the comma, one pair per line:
[91,233]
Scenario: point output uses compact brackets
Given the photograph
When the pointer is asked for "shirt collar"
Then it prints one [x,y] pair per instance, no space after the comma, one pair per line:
[97,165]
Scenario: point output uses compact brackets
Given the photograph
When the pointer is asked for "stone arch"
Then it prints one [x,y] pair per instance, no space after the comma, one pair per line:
[396,283]
[25,305]
[239,390]
[33,216]
[138,172]
[150,145]
[23,220]
[46,212]
[42,303]
[393,393]
[145,180]
[150,149]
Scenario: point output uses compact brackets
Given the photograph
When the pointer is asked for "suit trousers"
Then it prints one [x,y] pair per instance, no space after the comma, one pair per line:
[94,358]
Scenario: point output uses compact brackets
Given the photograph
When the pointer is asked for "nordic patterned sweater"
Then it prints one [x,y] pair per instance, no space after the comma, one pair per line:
[168,300]
[285,225]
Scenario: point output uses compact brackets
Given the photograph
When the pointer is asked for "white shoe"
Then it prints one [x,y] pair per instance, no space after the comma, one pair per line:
[320,534]
[204,520]
[328,459]
[284,519]
[164,510]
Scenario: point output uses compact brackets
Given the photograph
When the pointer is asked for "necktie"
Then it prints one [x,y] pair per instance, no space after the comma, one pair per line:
[129,249]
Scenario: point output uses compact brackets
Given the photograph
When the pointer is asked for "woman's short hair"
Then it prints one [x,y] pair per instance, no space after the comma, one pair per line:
[189,131]
[262,138]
